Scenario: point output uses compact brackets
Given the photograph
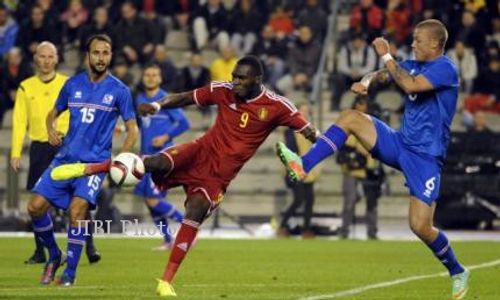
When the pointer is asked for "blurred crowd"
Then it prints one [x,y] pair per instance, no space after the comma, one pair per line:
[285,34]
[473,44]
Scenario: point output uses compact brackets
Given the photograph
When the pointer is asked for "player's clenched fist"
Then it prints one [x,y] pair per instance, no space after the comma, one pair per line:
[359,89]
[381,46]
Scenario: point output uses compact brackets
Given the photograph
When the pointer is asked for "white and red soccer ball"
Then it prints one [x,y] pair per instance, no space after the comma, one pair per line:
[126,169]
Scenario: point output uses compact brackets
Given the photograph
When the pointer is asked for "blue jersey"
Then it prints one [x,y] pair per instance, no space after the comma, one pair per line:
[167,121]
[94,109]
[428,115]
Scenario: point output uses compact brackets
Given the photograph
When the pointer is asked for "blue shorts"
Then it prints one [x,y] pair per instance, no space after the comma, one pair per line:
[60,193]
[422,172]
[146,188]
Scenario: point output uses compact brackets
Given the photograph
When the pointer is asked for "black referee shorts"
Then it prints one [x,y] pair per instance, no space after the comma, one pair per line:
[41,154]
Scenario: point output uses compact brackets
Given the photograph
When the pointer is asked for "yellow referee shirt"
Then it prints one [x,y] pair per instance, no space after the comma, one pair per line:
[222,70]
[34,100]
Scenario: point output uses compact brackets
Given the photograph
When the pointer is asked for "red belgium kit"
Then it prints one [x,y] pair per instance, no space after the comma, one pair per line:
[209,163]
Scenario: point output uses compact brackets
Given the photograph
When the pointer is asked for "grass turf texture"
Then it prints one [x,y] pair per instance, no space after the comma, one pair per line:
[253,269]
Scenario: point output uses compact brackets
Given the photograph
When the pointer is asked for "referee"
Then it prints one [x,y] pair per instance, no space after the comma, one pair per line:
[35,97]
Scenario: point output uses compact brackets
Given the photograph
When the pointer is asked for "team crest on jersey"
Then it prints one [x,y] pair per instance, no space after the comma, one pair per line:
[78,94]
[173,152]
[107,99]
[263,113]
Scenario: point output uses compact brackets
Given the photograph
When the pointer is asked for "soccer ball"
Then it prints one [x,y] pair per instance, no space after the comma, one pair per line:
[126,169]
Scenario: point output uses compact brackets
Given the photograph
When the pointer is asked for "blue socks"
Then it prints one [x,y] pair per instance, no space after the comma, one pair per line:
[162,224]
[442,249]
[160,212]
[326,144]
[44,233]
[165,208]
[76,241]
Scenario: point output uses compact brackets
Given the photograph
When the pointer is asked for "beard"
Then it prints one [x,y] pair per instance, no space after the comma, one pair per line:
[94,69]
[249,93]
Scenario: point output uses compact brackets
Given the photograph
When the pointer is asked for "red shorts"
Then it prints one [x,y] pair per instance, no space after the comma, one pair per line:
[193,167]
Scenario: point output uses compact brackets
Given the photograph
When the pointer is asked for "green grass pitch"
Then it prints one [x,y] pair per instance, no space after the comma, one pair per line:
[254,269]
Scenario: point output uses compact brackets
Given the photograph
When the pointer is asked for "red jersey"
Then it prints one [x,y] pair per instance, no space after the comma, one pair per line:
[242,126]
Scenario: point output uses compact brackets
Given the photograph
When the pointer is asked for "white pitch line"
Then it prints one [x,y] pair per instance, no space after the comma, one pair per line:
[379,285]
[246,285]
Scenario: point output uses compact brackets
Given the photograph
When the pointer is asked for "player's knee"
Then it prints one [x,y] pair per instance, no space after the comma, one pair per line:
[33,209]
[36,206]
[76,217]
[78,212]
[151,202]
[349,119]
[420,228]
[157,163]
[197,209]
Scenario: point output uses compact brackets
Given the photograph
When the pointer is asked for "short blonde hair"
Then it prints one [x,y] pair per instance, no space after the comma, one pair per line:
[437,30]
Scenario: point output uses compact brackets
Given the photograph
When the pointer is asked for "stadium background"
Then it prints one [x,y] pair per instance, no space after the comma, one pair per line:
[259,191]
[259,194]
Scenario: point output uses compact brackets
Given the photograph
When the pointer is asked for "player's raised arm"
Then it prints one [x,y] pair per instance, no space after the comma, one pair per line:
[409,83]
[380,77]
[170,101]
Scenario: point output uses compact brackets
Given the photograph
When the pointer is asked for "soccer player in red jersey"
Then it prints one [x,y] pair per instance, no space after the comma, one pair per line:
[247,113]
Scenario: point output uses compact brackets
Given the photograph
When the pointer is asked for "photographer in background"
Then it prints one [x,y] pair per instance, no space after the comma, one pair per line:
[303,191]
[360,171]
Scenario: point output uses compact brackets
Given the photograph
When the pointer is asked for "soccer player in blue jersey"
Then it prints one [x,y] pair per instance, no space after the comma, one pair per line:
[157,133]
[418,149]
[95,100]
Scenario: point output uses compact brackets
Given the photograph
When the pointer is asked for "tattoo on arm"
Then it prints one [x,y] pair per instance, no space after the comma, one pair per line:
[383,76]
[401,76]
[379,77]
[177,100]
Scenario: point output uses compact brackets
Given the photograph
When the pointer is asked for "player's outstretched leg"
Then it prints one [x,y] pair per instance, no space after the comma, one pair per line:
[197,207]
[75,170]
[157,163]
[292,161]
[153,163]
[326,144]
[421,223]
[44,233]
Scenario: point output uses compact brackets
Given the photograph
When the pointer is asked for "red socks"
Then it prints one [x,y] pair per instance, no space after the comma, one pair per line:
[183,241]
[94,168]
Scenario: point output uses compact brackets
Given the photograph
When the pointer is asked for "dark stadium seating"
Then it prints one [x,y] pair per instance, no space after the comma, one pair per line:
[470,178]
